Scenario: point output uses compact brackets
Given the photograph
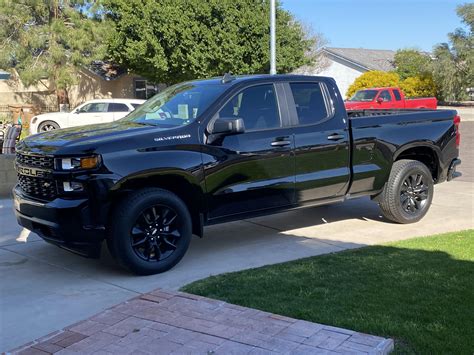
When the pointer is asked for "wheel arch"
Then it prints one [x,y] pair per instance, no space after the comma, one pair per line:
[182,184]
[424,153]
[40,122]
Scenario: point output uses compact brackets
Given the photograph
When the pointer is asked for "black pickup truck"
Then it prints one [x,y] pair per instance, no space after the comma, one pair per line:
[209,151]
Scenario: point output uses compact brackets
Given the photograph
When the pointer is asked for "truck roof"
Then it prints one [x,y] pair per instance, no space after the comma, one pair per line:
[382,88]
[257,77]
[117,100]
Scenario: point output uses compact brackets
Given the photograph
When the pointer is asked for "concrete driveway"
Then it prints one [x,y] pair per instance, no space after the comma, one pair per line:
[43,288]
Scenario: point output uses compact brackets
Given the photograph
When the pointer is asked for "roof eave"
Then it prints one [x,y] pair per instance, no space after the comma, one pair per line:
[357,64]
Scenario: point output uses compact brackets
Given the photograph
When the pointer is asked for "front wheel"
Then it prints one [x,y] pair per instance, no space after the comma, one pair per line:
[408,193]
[47,126]
[150,231]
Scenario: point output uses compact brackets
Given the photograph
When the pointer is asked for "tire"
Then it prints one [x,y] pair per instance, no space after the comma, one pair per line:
[150,231]
[47,126]
[408,193]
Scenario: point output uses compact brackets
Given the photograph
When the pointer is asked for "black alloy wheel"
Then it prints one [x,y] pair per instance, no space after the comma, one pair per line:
[149,231]
[413,193]
[407,195]
[155,235]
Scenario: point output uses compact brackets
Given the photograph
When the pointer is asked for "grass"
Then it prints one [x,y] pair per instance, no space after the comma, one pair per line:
[420,292]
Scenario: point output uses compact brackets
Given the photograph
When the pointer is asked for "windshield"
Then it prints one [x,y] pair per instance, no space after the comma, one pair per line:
[176,106]
[364,95]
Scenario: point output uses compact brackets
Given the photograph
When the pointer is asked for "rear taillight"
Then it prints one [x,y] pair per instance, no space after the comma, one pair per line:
[457,122]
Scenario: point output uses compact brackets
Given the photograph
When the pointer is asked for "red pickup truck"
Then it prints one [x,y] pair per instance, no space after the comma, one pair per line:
[387,98]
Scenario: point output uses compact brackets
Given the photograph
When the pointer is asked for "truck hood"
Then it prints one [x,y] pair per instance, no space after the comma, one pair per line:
[82,139]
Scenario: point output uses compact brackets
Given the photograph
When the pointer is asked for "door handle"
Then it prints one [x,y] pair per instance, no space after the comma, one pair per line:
[336,137]
[281,143]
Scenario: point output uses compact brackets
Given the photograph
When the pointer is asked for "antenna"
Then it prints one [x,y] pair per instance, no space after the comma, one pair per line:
[227,78]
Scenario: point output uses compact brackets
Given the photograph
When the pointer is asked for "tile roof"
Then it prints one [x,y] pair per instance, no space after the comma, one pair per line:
[106,70]
[369,59]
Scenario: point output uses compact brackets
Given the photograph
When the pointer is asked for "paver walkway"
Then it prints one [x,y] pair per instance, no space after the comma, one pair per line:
[165,322]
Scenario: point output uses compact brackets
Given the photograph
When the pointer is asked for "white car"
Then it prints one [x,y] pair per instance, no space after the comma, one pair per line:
[90,112]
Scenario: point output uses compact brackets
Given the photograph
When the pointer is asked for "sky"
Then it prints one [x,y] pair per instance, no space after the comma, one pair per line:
[379,24]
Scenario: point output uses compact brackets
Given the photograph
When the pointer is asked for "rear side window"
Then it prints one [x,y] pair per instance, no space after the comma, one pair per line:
[397,95]
[135,106]
[256,105]
[385,95]
[116,107]
[310,103]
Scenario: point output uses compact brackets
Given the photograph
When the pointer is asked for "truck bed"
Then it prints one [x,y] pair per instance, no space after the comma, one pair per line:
[377,136]
[375,112]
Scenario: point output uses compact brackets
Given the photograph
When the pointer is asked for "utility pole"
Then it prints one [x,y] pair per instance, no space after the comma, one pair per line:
[272,38]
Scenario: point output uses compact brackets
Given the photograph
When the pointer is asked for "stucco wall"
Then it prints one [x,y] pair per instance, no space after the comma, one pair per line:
[13,92]
[343,75]
[90,86]
[342,72]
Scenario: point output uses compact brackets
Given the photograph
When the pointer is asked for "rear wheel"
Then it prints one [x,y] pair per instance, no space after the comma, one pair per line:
[408,193]
[47,126]
[150,232]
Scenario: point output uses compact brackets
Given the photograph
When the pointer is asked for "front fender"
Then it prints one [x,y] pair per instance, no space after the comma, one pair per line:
[179,171]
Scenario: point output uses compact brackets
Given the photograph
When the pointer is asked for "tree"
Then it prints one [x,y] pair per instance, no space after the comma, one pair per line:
[453,69]
[418,86]
[412,63]
[170,41]
[373,79]
[51,39]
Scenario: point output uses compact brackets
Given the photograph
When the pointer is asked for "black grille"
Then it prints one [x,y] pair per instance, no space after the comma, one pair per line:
[37,187]
[44,189]
[37,161]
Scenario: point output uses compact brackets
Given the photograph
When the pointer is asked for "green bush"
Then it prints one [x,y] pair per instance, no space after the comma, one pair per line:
[6,118]
[418,86]
[373,79]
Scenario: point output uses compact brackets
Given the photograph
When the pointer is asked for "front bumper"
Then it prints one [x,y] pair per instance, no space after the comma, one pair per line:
[65,223]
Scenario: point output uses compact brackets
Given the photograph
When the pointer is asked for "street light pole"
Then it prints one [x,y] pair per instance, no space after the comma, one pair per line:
[272,38]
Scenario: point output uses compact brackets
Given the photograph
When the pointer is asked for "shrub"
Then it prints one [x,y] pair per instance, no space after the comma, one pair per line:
[373,79]
[6,118]
[419,86]
[410,62]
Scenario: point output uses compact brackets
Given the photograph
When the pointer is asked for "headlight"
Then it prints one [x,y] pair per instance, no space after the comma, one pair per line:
[79,163]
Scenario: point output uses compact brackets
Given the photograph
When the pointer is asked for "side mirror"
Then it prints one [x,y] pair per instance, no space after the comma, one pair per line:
[225,127]
[228,126]
[380,100]
[76,111]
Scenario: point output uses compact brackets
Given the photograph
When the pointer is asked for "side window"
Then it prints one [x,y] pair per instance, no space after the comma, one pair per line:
[145,89]
[135,106]
[385,95]
[95,107]
[397,95]
[116,107]
[256,105]
[309,101]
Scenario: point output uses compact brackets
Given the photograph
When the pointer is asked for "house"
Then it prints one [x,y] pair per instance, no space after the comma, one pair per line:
[97,81]
[346,64]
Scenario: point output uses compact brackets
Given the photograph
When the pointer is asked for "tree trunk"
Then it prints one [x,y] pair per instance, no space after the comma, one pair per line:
[63,99]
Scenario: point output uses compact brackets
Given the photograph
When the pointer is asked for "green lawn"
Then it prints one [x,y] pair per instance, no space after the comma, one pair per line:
[419,292]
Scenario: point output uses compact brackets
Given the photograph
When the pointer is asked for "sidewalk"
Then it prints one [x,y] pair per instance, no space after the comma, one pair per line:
[168,322]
